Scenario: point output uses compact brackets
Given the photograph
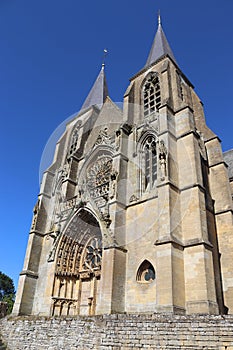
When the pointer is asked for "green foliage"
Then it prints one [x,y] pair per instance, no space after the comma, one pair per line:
[7,291]
[9,299]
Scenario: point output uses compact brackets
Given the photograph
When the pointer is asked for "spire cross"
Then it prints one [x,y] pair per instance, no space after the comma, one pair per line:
[159,18]
[104,57]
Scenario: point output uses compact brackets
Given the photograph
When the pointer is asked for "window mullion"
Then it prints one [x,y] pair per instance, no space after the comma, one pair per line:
[151,168]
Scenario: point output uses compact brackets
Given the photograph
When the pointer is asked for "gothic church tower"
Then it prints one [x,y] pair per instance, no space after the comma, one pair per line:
[135,213]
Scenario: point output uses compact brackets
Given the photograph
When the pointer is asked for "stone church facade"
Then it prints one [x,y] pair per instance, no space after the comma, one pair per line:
[135,213]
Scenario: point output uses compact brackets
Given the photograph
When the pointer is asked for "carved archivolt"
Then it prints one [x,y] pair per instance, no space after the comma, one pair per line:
[80,230]
[78,267]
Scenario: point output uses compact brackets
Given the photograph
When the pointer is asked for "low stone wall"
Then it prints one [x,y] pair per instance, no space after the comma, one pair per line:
[3,309]
[117,332]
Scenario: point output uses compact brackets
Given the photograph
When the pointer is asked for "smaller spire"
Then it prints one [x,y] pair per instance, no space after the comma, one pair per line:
[99,90]
[160,46]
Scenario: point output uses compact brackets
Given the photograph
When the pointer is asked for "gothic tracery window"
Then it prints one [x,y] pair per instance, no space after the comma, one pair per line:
[74,139]
[150,163]
[74,142]
[151,95]
[98,177]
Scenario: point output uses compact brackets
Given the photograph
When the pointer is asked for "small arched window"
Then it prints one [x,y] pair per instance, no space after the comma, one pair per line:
[151,95]
[150,163]
[74,139]
[146,272]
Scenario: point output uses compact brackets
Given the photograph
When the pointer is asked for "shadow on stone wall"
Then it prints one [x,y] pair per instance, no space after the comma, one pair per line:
[3,309]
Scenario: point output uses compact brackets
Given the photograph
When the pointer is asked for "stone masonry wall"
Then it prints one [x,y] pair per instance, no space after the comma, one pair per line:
[115,332]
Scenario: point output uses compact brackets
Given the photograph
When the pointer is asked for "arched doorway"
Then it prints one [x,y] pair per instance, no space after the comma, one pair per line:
[78,267]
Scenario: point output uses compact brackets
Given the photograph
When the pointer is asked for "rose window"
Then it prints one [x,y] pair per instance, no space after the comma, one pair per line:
[93,254]
[98,177]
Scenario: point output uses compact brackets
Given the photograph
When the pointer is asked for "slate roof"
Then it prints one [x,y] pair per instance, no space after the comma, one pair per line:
[160,47]
[98,92]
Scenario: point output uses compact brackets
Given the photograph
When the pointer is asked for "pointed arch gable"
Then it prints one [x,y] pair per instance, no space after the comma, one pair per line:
[79,230]
[78,265]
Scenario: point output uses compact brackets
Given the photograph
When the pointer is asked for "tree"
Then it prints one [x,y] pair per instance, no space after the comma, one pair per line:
[7,290]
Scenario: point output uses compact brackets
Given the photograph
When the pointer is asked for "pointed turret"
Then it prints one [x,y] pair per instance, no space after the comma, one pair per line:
[160,46]
[99,91]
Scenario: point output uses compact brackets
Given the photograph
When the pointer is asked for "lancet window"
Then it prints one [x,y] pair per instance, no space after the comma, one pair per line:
[74,139]
[149,163]
[151,95]
[74,142]
[179,86]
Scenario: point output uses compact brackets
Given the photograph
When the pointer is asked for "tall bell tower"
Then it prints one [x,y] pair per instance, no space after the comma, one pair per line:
[176,197]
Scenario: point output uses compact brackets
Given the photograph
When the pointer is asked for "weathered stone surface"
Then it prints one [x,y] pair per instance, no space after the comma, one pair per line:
[119,331]
[3,309]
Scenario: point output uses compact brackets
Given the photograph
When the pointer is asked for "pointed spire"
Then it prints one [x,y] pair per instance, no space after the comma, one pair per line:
[160,46]
[99,90]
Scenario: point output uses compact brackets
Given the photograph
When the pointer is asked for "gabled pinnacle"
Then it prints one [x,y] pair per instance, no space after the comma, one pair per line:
[99,91]
[160,46]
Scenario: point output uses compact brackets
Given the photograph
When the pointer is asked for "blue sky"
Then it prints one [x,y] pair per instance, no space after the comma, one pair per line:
[51,52]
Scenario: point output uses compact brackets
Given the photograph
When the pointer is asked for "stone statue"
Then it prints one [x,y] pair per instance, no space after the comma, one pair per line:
[118,140]
[35,214]
[112,185]
[162,160]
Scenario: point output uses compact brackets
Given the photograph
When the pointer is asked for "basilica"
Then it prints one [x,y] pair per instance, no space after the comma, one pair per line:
[134,214]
